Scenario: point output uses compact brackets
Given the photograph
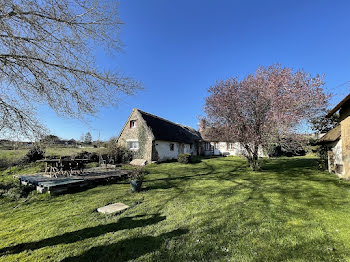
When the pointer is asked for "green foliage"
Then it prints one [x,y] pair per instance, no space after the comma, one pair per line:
[142,139]
[49,140]
[13,191]
[322,153]
[288,146]
[184,158]
[88,138]
[117,153]
[91,156]
[138,174]
[322,124]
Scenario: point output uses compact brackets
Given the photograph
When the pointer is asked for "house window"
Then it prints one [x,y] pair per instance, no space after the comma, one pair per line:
[171,147]
[132,145]
[132,123]
[216,145]
[230,146]
[190,146]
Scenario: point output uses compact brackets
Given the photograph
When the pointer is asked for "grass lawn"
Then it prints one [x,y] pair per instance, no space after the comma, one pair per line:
[216,210]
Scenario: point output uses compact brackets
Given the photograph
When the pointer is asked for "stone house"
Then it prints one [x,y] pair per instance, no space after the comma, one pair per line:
[337,141]
[156,139]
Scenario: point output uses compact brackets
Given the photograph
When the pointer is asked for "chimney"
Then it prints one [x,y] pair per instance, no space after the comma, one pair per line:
[202,125]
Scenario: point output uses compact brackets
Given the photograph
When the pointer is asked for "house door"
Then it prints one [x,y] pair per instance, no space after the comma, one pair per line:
[216,150]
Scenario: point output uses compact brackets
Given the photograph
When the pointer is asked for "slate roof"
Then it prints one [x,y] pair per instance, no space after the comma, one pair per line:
[166,130]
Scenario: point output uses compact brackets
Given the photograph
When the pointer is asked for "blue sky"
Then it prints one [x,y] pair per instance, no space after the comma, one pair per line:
[177,49]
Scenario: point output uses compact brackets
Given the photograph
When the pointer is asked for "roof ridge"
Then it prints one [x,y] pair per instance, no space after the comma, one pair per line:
[161,118]
[338,106]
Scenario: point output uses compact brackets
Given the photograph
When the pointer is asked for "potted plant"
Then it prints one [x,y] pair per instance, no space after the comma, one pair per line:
[136,178]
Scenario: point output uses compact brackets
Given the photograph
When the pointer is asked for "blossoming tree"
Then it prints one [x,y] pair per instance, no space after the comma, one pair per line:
[263,106]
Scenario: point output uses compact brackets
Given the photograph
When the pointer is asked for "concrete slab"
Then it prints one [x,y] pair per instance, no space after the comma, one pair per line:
[113,208]
[138,162]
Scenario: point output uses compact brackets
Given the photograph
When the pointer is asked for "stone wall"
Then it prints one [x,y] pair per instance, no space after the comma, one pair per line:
[345,138]
[335,158]
[140,133]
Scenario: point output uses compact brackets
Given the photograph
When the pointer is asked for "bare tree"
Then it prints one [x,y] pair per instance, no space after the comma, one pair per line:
[47,55]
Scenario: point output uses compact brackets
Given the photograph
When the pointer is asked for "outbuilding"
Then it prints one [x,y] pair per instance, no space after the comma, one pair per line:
[337,141]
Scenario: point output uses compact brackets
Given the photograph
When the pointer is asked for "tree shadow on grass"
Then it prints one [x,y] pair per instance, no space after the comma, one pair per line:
[207,172]
[127,249]
[90,232]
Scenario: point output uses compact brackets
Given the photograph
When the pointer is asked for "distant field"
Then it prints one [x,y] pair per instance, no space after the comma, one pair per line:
[7,157]
[66,151]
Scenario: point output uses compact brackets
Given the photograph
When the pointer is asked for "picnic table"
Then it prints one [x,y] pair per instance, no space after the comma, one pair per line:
[64,167]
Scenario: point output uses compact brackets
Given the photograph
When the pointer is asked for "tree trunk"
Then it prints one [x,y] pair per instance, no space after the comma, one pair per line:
[256,166]
[253,159]
[255,163]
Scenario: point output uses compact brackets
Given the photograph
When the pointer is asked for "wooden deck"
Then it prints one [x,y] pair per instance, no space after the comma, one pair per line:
[94,176]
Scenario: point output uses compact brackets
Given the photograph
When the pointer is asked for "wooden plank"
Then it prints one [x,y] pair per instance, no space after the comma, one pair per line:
[61,184]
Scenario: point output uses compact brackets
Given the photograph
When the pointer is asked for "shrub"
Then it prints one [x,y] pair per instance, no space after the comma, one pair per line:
[34,154]
[13,191]
[116,153]
[287,146]
[4,163]
[322,153]
[138,174]
[82,155]
[184,158]
[92,157]
[196,159]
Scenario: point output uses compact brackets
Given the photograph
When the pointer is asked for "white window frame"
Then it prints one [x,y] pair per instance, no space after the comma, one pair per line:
[132,145]
[231,146]
[132,123]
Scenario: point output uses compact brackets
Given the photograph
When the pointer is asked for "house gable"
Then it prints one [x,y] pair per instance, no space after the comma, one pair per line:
[136,136]
[156,137]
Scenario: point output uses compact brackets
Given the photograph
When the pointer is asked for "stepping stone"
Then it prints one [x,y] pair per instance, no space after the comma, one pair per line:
[138,162]
[113,208]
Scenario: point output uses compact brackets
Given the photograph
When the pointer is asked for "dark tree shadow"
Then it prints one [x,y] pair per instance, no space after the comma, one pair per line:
[71,237]
[127,249]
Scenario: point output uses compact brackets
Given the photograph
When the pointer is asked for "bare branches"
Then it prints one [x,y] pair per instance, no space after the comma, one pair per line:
[47,51]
